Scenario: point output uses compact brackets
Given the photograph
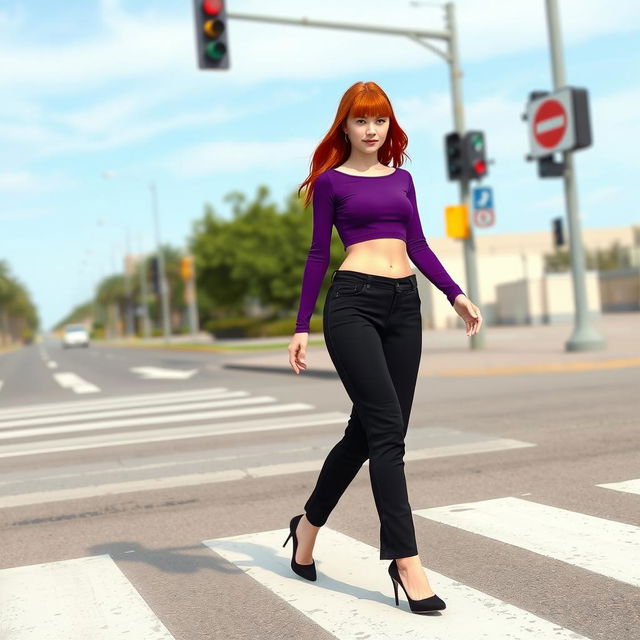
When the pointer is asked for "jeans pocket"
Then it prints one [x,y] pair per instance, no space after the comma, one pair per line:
[348,288]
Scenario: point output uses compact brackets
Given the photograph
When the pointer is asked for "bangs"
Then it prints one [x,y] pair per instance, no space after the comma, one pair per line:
[370,103]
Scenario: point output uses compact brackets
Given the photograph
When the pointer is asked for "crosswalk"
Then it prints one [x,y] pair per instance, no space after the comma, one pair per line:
[90,597]
[153,418]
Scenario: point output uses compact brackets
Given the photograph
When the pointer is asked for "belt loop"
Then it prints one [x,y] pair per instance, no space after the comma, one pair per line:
[333,274]
[369,279]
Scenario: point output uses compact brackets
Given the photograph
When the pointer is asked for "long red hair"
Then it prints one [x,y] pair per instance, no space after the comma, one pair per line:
[361,99]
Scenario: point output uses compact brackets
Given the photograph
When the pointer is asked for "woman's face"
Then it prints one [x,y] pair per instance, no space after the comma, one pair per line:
[371,128]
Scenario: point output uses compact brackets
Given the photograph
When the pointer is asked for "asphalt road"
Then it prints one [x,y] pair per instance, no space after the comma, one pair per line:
[147,493]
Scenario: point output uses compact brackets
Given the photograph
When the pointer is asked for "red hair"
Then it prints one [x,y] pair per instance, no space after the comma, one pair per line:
[361,99]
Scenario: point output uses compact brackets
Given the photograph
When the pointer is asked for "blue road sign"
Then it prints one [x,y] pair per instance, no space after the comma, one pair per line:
[482,198]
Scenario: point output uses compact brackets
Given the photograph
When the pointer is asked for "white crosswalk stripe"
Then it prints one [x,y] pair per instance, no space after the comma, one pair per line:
[628,486]
[353,595]
[76,600]
[603,546]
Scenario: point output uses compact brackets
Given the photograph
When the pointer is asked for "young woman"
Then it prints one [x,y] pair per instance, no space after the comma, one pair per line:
[372,323]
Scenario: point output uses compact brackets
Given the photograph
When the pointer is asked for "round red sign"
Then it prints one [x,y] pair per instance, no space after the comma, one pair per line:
[549,123]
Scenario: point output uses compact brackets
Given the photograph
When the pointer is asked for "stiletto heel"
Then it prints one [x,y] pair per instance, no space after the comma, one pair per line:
[307,571]
[425,605]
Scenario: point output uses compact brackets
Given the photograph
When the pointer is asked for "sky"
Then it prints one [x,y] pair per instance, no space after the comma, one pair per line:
[97,88]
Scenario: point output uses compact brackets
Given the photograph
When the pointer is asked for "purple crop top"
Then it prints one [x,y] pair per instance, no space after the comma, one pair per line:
[363,208]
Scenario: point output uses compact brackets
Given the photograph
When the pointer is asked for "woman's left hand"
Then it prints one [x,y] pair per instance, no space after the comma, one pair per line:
[469,312]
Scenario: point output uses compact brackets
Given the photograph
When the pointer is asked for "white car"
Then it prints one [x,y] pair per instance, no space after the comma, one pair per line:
[75,335]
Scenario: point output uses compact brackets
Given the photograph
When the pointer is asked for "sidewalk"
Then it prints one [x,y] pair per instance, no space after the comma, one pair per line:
[508,350]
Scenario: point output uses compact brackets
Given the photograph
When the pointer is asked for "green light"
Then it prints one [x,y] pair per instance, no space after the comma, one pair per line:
[215,50]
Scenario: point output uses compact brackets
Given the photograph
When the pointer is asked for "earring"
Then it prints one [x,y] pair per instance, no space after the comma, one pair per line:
[346,137]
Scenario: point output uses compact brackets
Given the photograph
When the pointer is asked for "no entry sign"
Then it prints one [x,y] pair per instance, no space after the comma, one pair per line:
[558,121]
[550,123]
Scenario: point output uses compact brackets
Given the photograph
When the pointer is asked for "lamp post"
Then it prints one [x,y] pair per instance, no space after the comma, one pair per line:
[164,293]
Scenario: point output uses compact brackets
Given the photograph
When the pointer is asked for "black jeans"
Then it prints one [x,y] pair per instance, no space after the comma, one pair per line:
[373,333]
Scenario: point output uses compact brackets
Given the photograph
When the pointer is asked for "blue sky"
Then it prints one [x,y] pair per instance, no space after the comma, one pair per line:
[112,85]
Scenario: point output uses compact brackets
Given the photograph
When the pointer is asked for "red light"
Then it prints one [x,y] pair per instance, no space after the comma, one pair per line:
[479,167]
[212,7]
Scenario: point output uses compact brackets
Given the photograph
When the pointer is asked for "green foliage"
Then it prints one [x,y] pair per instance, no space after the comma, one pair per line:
[18,315]
[243,327]
[256,257]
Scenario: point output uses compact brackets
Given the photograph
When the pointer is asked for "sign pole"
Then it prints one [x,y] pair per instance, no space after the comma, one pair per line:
[469,244]
[584,336]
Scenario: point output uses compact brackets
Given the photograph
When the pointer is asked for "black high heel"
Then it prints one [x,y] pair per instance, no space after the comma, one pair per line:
[426,605]
[307,571]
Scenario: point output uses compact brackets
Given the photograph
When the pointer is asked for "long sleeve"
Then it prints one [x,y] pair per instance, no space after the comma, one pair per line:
[423,256]
[319,252]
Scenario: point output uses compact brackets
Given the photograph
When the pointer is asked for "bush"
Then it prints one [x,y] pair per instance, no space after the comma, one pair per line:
[258,327]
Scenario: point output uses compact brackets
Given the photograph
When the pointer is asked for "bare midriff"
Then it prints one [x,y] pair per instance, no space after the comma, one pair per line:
[381,257]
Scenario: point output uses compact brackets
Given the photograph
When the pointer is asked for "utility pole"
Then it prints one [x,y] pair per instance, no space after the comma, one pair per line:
[584,336]
[164,294]
[146,331]
[469,243]
[128,288]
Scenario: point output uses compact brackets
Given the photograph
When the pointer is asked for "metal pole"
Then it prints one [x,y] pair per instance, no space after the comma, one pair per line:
[450,55]
[164,296]
[128,288]
[191,302]
[584,336]
[469,245]
[146,332]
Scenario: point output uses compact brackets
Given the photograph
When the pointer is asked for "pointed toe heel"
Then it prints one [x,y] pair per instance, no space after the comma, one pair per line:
[307,571]
[425,605]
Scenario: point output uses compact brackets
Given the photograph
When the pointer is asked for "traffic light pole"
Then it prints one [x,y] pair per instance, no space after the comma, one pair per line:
[164,295]
[584,336]
[469,243]
[451,57]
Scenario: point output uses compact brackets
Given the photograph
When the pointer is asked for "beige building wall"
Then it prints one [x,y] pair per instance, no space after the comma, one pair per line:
[513,286]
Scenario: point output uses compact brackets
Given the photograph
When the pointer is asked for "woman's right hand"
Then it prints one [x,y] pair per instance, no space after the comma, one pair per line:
[298,351]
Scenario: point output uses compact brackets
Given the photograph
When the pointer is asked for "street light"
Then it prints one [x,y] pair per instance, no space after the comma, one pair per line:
[164,294]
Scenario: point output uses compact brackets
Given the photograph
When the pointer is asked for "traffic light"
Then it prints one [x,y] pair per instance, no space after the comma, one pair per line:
[211,34]
[558,234]
[474,155]
[154,271]
[186,267]
[453,155]
[549,168]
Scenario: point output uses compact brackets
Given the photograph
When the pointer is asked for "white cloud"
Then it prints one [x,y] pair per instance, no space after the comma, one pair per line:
[160,46]
[25,181]
[232,156]
[25,214]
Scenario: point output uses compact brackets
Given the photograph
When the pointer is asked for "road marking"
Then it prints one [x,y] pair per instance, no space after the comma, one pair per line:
[74,382]
[220,400]
[353,595]
[603,546]
[549,367]
[628,486]
[75,599]
[52,365]
[194,479]
[118,401]
[129,422]
[153,373]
